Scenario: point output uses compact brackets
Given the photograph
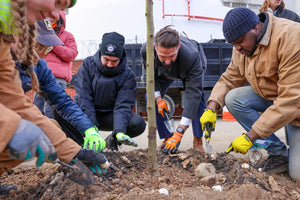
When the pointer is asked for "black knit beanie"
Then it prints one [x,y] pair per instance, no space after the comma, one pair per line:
[238,22]
[112,44]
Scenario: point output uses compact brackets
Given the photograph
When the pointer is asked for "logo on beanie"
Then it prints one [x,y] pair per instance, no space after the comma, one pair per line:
[110,48]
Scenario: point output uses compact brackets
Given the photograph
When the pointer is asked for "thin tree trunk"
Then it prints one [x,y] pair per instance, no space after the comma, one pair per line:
[152,151]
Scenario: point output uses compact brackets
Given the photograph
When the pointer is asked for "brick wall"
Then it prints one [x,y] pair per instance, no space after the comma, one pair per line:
[69,90]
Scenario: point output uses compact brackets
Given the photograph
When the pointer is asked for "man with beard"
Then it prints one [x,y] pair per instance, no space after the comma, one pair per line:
[106,92]
[178,58]
[265,55]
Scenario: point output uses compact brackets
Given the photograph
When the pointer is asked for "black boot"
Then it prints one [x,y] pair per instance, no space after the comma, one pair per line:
[4,189]
[274,164]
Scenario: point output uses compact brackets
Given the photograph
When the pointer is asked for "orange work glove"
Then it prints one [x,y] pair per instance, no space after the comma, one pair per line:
[173,143]
[161,105]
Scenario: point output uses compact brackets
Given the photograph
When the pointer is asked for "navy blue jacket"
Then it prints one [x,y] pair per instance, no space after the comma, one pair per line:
[103,89]
[56,96]
[285,13]
[189,67]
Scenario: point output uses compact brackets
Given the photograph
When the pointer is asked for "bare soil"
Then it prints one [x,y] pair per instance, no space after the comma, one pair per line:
[133,181]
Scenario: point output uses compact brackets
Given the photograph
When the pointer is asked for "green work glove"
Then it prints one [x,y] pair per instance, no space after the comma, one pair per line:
[125,139]
[209,117]
[93,140]
[240,144]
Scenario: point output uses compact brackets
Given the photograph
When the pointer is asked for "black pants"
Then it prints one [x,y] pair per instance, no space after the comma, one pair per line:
[135,127]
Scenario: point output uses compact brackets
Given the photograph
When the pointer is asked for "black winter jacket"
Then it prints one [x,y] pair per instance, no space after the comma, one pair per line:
[190,67]
[100,89]
[285,13]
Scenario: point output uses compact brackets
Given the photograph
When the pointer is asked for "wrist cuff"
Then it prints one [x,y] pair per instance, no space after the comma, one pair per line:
[210,109]
[157,94]
[180,130]
[185,121]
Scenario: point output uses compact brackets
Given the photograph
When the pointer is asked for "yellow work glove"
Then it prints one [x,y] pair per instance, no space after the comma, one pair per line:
[93,140]
[240,144]
[209,117]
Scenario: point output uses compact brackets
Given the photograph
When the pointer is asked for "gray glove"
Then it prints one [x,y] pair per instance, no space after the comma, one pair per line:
[125,139]
[30,141]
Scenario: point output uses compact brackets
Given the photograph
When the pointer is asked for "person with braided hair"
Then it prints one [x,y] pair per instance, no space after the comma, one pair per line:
[59,59]
[24,131]
[277,7]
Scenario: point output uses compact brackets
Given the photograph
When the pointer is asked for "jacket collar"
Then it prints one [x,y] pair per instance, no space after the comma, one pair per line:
[264,37]
[111,71]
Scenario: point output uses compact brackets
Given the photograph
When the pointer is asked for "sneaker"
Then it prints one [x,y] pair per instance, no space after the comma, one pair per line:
[112,143]
[5,189]
[274,164]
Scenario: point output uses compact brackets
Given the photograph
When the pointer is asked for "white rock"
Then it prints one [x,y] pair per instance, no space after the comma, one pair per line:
[245,166]
[163,191]
[259,169]
[217,188]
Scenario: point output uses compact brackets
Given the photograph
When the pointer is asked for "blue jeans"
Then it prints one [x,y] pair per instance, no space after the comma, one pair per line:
[161,128]
[40,102]
[244,104]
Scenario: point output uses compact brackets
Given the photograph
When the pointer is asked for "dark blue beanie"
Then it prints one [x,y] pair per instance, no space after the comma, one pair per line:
[112,44]
[238,22]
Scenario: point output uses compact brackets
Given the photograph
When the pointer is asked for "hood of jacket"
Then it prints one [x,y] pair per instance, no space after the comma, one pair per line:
[114,71]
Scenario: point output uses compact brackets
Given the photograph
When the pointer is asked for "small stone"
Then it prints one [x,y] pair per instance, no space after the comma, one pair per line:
[217,188]
[118,174]
[115,181]
[185,163]
[141,154]
[245,166]
[204,169]
[221,178]
[273,184]
[213,156]
[161,179]
[260,169]
[125,159]
[166,160]
[140,183]
[163,191]
[183,156]
[209,180]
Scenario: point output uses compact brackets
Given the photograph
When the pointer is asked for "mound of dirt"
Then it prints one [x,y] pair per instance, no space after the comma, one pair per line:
[130,179]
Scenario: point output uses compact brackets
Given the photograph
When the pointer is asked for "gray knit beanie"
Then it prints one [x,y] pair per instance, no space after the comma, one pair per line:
[238,22]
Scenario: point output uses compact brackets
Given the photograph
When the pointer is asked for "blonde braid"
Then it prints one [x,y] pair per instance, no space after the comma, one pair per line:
[265,6]
[19,12]
[26,36]
[32,59]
